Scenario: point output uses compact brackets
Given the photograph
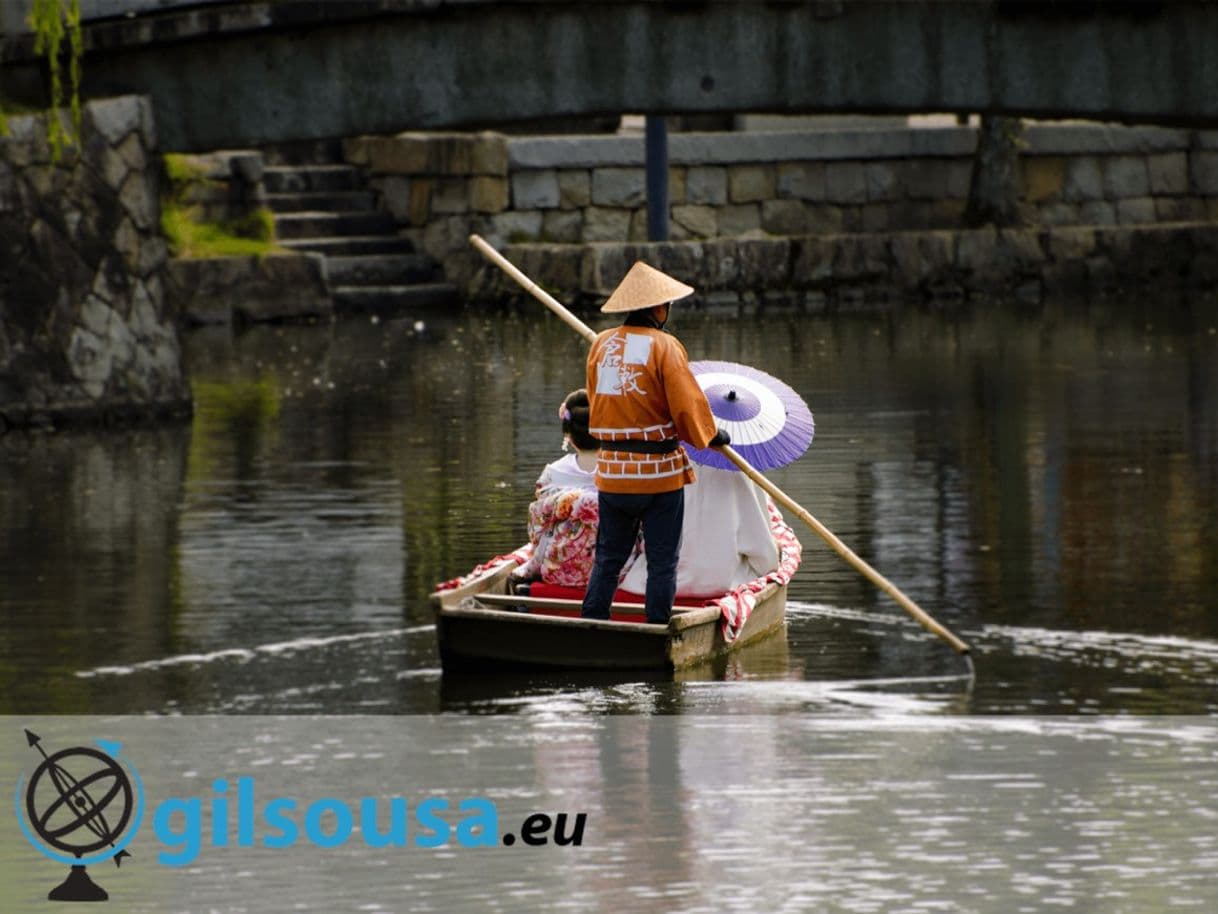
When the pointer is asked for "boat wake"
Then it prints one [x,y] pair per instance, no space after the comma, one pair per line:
[1186,658]
[1191,659]
[246,654]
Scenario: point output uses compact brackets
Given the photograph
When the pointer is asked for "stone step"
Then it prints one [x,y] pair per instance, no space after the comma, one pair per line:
[381,269]
[392,299]
[282,179]
[331,225]
[351,245]
[334,201]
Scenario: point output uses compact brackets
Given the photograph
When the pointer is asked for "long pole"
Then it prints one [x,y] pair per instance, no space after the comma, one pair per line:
[747,468]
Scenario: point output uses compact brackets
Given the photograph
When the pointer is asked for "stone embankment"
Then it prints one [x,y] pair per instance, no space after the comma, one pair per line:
[85,330]
[814,217]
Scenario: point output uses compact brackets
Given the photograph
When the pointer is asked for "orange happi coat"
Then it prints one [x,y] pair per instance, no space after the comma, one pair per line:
[640,388]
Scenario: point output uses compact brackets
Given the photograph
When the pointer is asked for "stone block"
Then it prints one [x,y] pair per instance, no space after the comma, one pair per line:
[638,229]
[783,217]
[89,361]
[1044,178]
[356,149]
[574,188]
[676,184]
[1097,212]
[26,142]
[562,226]
[1134,210]
[445,235]
[396,156]
[698,221]
[1168,173]
[1020,249]
[131,151]
[824,218]
[959,178]
[535,190]
[917,257]
[1084,181]
[450,196]
[925,179]
[800,181]
[946,213]
[884,181]
[1180,209]
[153,253]
[115,118]
[875,217]
[1058,214]
[750,183]
[419,208]
[812,260]
[758,263]
[739,220]
[1203,172]
[488,194]
[517,226]
[975,251]
[606,224]
[706,185]
[139,198]
[618,187]
[489,155]
[114,170]
[1126,176]
[394,192]
[559,264]
[845,182]
[859,258]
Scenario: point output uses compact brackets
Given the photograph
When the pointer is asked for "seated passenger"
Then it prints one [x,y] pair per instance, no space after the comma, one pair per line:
[726,539]
[563,515]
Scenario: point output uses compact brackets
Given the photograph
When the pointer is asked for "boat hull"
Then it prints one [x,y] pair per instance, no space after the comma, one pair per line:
[480,626]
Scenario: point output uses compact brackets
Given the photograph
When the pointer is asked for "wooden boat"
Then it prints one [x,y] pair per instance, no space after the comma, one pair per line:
[481,624]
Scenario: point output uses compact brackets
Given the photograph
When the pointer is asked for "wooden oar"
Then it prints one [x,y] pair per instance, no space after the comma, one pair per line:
[776,493]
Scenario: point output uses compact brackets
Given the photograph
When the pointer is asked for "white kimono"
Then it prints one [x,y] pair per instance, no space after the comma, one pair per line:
[725,539]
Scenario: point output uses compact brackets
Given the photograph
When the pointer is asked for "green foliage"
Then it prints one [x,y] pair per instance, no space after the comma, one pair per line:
[189,235]
[54,22]
[183,170]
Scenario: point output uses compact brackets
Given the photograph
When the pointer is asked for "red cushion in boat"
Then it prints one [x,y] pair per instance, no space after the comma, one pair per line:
[545,591]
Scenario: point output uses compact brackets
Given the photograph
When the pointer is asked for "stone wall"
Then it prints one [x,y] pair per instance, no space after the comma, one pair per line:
[808,185]
[84,328]
[826,272]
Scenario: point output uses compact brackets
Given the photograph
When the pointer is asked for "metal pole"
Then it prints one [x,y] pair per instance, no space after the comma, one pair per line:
[656,140]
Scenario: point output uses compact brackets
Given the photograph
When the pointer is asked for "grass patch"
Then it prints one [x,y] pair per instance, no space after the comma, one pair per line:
[190,234]
[191,237]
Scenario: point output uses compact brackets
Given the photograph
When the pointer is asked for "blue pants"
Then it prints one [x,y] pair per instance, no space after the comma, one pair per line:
[622,516]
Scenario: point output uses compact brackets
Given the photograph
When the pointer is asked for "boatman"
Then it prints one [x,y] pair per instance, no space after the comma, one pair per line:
[644,401]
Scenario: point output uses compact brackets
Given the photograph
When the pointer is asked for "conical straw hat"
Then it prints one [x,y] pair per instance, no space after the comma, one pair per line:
[644,287]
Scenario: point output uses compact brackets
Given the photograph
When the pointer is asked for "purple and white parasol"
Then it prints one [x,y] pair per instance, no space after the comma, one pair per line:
[770,424]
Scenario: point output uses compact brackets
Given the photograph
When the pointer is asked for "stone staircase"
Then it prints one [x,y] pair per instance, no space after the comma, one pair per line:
[327,208]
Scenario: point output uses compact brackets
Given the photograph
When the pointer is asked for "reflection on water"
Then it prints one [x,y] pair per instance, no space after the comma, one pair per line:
[1045,485]
[700,813]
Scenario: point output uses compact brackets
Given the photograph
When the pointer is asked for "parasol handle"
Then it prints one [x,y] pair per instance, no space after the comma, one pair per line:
[747,468]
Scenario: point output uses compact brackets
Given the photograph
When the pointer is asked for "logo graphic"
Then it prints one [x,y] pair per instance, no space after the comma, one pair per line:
[81,806]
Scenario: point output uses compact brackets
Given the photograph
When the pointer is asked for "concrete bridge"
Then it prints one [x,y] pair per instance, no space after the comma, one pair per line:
[225,74]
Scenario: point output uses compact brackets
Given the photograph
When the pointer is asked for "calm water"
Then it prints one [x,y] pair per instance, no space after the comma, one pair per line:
[1045,484]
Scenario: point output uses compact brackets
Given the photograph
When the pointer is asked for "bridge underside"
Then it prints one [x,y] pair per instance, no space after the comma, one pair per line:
[257,73]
